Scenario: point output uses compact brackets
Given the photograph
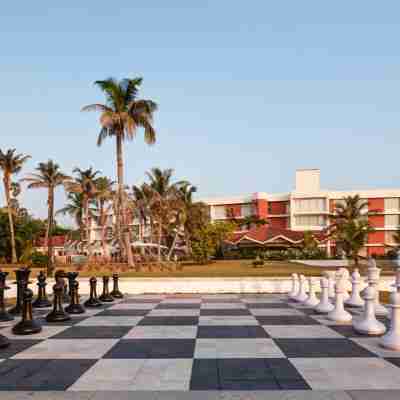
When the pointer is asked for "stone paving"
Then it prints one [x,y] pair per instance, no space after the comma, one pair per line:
[197,347]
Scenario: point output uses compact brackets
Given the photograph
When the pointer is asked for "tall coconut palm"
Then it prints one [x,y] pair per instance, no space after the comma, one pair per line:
[120,118]
[85,184]
[11,163]
[48,176]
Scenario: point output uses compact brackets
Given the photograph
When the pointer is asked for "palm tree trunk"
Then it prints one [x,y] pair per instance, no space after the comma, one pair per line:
[6,182]
[159,241]
[50,204]
[88,245]
[173,245]
[122,216]
[103,223]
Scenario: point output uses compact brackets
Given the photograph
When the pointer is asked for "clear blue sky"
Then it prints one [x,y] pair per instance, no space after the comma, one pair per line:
[248,91]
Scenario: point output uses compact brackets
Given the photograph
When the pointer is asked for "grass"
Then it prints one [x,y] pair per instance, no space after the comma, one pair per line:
[223,269]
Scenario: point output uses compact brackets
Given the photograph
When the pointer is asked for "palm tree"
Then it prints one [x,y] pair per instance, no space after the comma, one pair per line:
[350,208]
[141,202]
[10,164]
[75,209]
[50,177]
[121,117]
[85,184]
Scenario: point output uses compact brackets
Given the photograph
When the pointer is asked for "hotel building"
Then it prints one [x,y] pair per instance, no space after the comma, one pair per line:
[308,208]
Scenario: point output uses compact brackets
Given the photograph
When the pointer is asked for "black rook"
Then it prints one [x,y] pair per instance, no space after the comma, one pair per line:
[57,314]
[42,301]
[105,296]
[93,300]
[27,325]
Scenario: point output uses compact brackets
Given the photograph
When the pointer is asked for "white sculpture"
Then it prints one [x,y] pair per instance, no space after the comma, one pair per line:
[330,275]
[392,338]
[339,314]
[355,299]
[373,280]
[343,273]
[302,296]
[295,287]
[368,324]
[324,306]
[312,299]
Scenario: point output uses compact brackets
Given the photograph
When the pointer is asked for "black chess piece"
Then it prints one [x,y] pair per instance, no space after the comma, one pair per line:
[58,314]
[93,300]
[106,296]
[71,277]
[116,293]
[3,342]
[60,276]
[22,282]
[27,325]
[74,307]
[4,315]
[41,301]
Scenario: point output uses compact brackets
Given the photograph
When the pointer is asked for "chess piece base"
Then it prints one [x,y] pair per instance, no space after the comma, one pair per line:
[92,303]
[311,302]
[381,310]
[58,316]
[391,341]
[354,303]
[117,294]
[41,303]
[369,327]
[106,298]
[339,316]
[4,342]
[26,328]
[324,308]
[75,309]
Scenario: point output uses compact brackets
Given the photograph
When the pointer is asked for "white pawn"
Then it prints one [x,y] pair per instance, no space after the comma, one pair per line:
[330,275]
[368,324]
[295,287]
[392,338]
[339,314]
[373,280]
[355,299]
[302,296]
[312,300]
[345,276]
[324,306]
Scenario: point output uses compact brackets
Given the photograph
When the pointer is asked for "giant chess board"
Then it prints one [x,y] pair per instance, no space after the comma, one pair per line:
[196,343]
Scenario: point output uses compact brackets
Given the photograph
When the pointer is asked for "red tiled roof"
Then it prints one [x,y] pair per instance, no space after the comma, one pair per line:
[57,241]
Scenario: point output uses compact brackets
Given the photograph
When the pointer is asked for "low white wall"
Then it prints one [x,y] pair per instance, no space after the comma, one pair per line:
[323,263]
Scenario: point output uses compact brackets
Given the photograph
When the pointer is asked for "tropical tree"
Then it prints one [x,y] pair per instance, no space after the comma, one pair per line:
[11,164]
[48,176]
[75,209]
[141,207]
[350,208]
[120,118]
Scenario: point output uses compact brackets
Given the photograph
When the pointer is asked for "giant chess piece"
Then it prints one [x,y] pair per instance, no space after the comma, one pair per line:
[368,324]
[295,287]
[27,325]
[22,281]
[302,295]
[71,277]
[3,342]
[345,276]
[74,307]
[93,300]
[392,338]
[330,275]
[60,276]
[339,314]
[355,299]
[324,306]
[57,314]
[373,280]
[41,301]
[106,296]
[4,315]
[116,293]
[312,300]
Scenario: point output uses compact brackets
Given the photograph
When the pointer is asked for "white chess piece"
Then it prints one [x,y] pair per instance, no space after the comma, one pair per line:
[392,338]
[324,306]
[355,299]
[302,296]
[295,287]
[373,280]
[346,277]
[330,275]
[339,314]
[368,324]
[312,299]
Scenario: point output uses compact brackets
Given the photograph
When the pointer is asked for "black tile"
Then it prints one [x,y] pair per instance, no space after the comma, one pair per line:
[267,305]
[238,332]
[204,375]
[72,321]
[307,311]
[41,375]
[347,331]
[16,346]
[178,306]
[286,320]
[169,321]
[152,348]
[227,312]
[321,348]
[123,313]
[93,332]
[393,360]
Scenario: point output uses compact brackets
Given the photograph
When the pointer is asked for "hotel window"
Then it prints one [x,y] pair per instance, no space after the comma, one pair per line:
[246,210]
[219,212]
[310,220]
[310,205]
[392,220]
[392,203]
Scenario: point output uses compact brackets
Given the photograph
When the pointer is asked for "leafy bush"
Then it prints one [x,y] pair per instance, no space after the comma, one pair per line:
[39,259]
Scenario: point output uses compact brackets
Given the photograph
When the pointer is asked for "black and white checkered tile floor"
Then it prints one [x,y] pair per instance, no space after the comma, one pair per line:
[196,343]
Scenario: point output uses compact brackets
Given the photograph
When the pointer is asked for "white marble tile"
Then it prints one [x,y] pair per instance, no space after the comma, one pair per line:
[300,331]
[219,320]
[47,332]
[110,321]
[162,332]
[222,306]
[373,345]
[275,311]
[133,306]
[174,312]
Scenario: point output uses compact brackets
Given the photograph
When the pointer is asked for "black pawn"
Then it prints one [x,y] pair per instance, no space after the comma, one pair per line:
[27,325]
[22,281]
[116,293]
[93,300]
[42,301]
[59,277]
[74,307]
[3,342]
[71,276]
[106,296]
[4,315]
[57,314]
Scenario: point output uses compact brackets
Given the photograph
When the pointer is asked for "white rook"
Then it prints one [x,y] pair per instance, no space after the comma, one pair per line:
[295,287]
